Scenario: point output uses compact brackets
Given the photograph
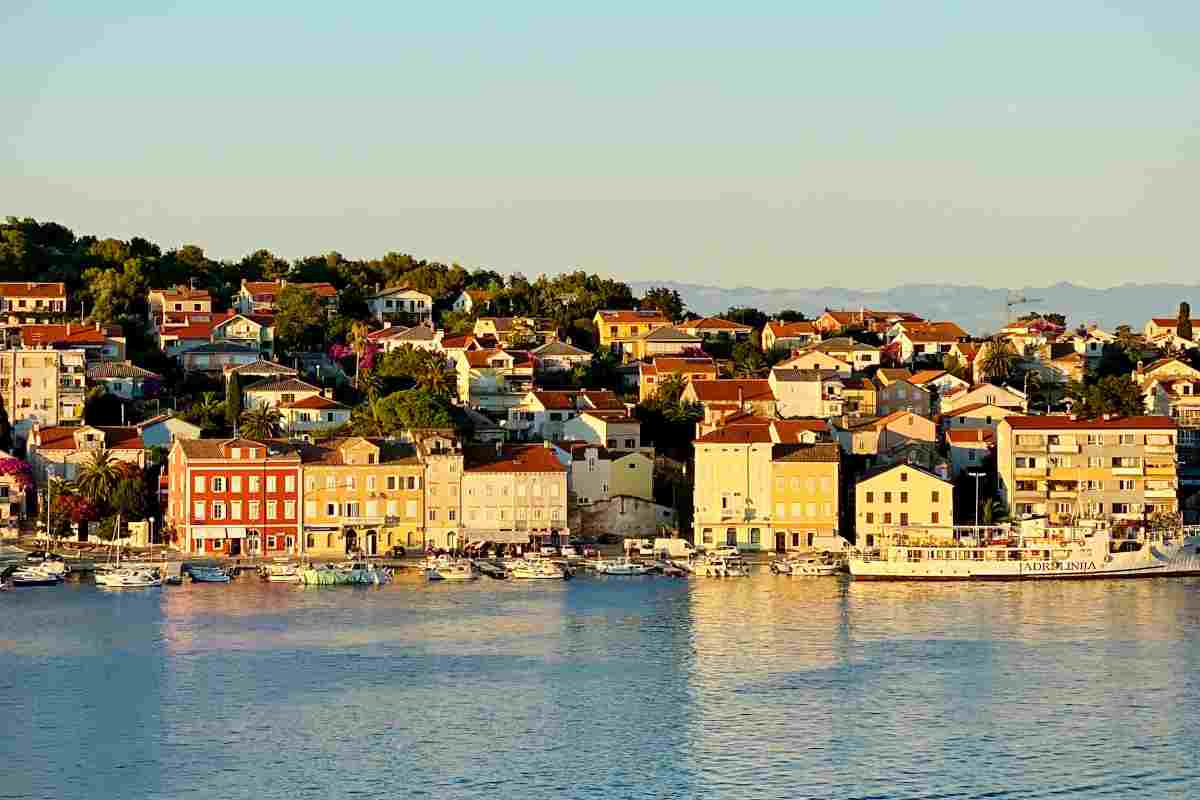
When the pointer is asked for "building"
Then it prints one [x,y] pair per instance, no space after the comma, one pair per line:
[217,357]
[233,497]
[442,456]
[789,335]
[903,496]
[472,301]
[717,328]
[877,322]
[815,359]
[859,396]
[164,429]
[977,416]
[542,413]
[273,392]
[938,383]
[514,494]
[58,451]
[313,414]
[401,305]
[419,337]
[746,482]
[1177,398]
[721,399]
[494,379]
[991,394]
[1167,368]
[652,374]
[873,437]
[124,379]
[98,342]
[260,297]
[969,449]
[897,392]
[667,340]
[177,300]
[42,387]
[29,301]
[15,481]
[1122,469]
[362,495]
[516,331]
[559,356]
[620,331]
[617,431]
[259,369]
[932,340]
[807,392]
[251,330]
[1159,327]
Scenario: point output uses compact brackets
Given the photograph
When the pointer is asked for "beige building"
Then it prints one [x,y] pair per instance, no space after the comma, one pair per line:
[903,496]
[362,494]
[877,436]
[514,494]
[989,393]
[789,335]
[815,359]
[897,392]
[443,459]
[59,451]
[42,387]
[722,399]
[26,301]
[1121,469]
[807,392]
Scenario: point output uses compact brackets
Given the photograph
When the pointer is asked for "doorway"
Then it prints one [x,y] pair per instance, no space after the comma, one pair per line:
[780,542]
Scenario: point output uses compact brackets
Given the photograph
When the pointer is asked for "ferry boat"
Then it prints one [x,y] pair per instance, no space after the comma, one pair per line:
[1029,551]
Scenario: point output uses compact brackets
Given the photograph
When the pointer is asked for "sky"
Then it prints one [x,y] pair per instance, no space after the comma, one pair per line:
[850,143]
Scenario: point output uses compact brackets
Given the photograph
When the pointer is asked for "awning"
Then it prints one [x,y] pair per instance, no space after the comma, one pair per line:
[497,537]
[217,532]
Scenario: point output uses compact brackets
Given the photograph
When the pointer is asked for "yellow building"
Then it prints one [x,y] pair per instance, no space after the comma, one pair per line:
[443,458]
[632,476]
[362,494]
[805,494]
[903,496]
[621,330]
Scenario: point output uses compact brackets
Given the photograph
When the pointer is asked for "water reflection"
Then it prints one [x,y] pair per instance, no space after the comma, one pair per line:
[607,687]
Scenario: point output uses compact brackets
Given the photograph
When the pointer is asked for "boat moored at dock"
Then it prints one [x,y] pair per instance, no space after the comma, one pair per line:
[1030,551]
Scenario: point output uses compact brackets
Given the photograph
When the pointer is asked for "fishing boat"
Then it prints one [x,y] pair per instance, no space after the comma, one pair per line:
[622,566]
[451,569]
[345,574]
[129,578]
[717,566]
[809,566]
[491,569]
[537,570]
[1029,551]
[208,575]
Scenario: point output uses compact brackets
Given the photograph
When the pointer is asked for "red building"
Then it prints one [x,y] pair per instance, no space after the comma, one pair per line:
[234,497]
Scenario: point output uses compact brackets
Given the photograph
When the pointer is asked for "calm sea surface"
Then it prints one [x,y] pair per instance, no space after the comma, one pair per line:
[767,687]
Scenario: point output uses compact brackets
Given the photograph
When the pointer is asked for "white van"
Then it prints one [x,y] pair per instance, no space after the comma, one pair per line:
[674,548]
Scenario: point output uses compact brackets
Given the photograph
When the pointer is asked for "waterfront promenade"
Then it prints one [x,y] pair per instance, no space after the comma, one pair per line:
[766,687]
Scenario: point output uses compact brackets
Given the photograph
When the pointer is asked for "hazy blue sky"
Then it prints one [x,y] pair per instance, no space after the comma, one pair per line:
[847,143]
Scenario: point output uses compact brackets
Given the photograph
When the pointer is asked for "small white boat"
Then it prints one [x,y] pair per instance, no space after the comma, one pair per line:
[447,569]
[129,579]
[537,570]
[208,575]
[722,567]
[32,575]
[622,566]
[812,566]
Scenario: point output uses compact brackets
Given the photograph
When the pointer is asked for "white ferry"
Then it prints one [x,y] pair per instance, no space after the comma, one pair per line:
[1028,551]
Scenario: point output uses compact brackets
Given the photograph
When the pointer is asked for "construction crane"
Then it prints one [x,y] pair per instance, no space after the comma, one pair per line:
[1011,299]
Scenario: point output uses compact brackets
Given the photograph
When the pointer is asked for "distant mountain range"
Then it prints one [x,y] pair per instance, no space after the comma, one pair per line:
[977,309]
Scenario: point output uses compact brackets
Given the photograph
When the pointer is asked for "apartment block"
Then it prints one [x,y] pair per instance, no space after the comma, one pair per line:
[43,387]
[1121,468]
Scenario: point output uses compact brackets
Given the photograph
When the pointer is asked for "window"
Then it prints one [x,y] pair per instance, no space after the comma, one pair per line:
[903,477]
[331,509]
[349,481]
[272,483]
[218,484]
[351,509]
[289,483]
[433,515]
[410,509]
[755,536]
[870,518]
[253,509]
[1120,508]
[1125,485]
[935,517]
[235,483]
[330,482]
[887,518]
[199,483]
[903,518]
[1095,462]
[289,509]
[797,509]
[781,510]
[218,510]
[412,483]
[870,497]
[904,497]
[255,483]
[451,514]
[391,483]
[310,508]
[630,444]
[198,510]
[270,542]
[272,509]
[235,509]
[887,497]
[370,483]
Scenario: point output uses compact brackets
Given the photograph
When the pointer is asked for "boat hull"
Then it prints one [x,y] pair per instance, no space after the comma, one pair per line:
[1153,563]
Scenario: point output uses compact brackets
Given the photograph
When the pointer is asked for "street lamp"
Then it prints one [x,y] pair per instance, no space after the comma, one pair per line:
[976,475]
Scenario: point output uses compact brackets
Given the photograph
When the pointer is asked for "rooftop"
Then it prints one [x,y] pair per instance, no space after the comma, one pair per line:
[33,289]
[512,458]
[119,369]
[1061,422]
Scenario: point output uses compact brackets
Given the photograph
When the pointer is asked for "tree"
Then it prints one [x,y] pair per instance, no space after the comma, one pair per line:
[998,359]
[260,422]
[1111,394]
[790,315]
[670,390]
[413,408]
[98,477]
[129,498]
[993,512]
[358,343]
[233,400]
[748,360]
[665,300]
[432,377]
[1183,328]
[457,323]
[954,365]
[298,318]
[745,315]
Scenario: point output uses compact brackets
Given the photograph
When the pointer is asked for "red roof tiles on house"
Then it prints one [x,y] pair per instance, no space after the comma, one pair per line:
[727,391]
[54,291]
[1058,422]
[512,458]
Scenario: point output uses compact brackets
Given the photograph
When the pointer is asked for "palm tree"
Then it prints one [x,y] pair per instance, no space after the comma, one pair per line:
[98,477]
[260,422]
[430,375]
[999,359]
[993,512]
[358,343]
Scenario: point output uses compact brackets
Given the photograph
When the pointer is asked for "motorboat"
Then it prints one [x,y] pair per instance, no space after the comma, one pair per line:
[345,574]
[50,563]
[281,573]
[810,566]
[208,575]
[537,570]
[491,569]
[128,578]
[32,575]
[451,569]
[622,566]
[722,567]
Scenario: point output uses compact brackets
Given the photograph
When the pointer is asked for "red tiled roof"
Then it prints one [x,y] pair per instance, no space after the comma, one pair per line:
[273,288]
[924,376]
[513,458]
[459,342]
[738,434]
[70,333]
[1165,322]
[789,430]
[719,391]
[935,332]
[633,316]
[716,324]
[785,330]
[1066,423]
[970,436]
[180,293]
[314,401]
[62,437]
[33,289]
[482,358]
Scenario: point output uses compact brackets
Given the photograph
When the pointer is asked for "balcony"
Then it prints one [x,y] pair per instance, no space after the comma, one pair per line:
[1064,448]
[1138,470]
[1028,447]
[1160,494]
[1161,449]
[1030,472]
[1063,494]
